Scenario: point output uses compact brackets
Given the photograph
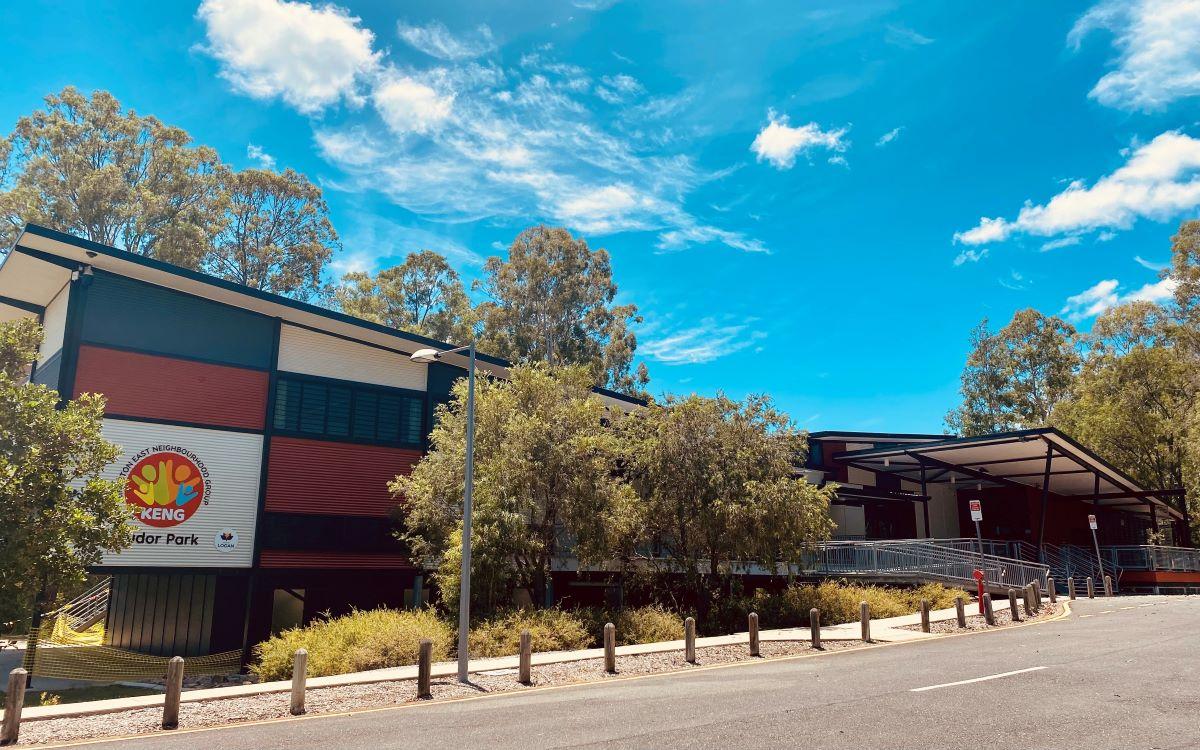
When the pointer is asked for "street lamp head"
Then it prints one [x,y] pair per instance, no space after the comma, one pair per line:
[425,355]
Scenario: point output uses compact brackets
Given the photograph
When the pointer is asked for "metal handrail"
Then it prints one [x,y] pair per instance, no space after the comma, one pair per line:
[925,559]
[1152,557]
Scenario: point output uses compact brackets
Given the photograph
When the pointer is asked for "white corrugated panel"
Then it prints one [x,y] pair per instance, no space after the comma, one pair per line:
[219,533]
[312,353]
[54,326]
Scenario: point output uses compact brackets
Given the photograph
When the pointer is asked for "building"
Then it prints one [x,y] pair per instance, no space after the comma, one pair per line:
[258,435]
[1037,490]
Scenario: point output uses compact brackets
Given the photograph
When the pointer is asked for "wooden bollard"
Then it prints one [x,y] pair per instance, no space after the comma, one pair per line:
[960,610]
[814,627]
[924,615]
[170,718]
[1091,588]
[1029,601]
[1052,591]
[753,626]
[299,680]
[14,701]
[689,640]
[1071,588]
[989,615]
[1037,595]
[523,669]
[424,668]
[864,617]
[1108,589]
[1012,605]
[610,648]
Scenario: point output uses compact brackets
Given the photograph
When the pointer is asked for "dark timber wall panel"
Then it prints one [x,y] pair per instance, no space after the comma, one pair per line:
[163,615]
[122,312]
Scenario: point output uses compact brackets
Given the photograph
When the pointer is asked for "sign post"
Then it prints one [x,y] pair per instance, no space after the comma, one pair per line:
[1096,543]
[976,507]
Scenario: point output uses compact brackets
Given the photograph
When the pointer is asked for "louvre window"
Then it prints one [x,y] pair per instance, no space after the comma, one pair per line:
[313,407]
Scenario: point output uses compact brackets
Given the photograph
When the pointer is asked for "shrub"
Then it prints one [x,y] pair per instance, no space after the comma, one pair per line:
[838,601]
[648,625]
[361,640]
[552,630]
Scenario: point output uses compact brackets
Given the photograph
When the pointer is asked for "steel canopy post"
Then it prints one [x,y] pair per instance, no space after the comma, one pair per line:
[1045,502]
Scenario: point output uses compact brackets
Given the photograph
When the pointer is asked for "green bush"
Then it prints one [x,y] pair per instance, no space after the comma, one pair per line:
[361,640]
[552,630]
[839,602]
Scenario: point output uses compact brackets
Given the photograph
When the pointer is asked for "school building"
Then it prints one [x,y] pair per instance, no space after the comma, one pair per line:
[258,435]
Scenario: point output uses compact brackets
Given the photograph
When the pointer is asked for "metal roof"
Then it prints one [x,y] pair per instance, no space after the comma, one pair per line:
[1014,459]
[42,261]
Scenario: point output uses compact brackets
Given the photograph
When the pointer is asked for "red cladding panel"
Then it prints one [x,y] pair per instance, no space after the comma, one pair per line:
[145,385]
[315,476]
[289,559]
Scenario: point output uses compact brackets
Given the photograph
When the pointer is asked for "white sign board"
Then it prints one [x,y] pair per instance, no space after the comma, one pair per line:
[194,493]
[1092,523]
[976,510]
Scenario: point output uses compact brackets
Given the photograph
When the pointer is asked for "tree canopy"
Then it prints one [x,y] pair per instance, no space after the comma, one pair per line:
[1014,377]
[56,514]
[276,235]
[552,300]
[717,487]
[423,295]
[545,480]
[84,166]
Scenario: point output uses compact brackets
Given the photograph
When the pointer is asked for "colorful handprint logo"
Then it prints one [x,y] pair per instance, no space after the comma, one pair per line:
[166,488]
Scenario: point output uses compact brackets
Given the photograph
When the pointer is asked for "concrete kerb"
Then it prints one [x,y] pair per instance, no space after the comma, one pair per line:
[884,630]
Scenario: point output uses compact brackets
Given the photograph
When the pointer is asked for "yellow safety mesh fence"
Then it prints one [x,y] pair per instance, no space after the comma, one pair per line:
[65,653]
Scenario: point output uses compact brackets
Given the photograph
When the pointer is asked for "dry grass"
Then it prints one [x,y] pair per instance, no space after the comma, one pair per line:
[552,630]
[361,640]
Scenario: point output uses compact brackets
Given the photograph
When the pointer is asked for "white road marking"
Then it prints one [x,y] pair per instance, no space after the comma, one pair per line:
[1147,605]
[1128,608]
[1081,617]
[976,679]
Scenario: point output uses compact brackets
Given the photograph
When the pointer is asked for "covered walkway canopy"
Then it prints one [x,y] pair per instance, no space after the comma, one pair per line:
[1043,459]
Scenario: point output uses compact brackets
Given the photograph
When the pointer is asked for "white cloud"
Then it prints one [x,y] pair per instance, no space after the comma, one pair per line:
[780,143]
[258,154]
[970,255]
[1062,242]
[1107,293]
[698,344]
[619,88]
[310,57]
[1151,265]
[889,136]
[1158,46]
[478,139]
[435,40]
[378,242]
[902,36]
[678,239]
[1159,181]
[408,105]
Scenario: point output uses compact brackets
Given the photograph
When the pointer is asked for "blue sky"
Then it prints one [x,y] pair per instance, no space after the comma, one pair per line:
[813,200]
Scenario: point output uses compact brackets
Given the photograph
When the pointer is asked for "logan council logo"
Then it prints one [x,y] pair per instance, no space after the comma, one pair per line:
[166,484]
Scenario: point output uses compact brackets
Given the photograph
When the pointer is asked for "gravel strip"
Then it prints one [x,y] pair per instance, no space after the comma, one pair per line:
[976,622]
[338,699]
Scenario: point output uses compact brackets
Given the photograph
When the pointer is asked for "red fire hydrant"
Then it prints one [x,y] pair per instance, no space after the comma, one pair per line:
[979,581]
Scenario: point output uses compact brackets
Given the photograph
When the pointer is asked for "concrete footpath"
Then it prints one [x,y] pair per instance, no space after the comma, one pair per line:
[883,630]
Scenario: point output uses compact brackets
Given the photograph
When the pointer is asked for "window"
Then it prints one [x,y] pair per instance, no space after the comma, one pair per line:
[314,407]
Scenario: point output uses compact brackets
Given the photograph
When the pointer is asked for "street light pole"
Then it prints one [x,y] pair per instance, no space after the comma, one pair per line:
[464,588]
[464,576]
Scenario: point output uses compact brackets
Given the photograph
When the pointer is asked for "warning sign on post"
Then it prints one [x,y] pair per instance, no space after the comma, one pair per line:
[1092,523]
[976,510]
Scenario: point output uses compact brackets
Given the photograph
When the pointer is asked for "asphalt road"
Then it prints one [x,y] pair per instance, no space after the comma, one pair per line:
[1121,673]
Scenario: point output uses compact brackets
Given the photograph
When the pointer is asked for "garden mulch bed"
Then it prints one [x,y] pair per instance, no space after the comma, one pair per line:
[976,622]
[384,694]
